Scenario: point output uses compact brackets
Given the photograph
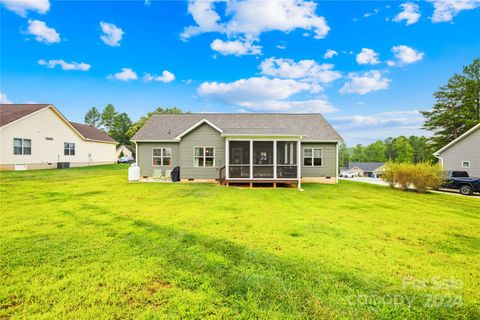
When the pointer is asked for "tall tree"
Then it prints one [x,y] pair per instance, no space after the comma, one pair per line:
[108,117]
[402,149]
[457,106]
[422,149]
[137,125]
[375,152]
[93,117]
[358,154]
[389,154]
[119,129]
[343,155]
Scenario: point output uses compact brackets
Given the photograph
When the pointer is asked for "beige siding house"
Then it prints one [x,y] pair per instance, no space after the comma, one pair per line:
[38,136]
[463,153]
[125,150]
[240,148]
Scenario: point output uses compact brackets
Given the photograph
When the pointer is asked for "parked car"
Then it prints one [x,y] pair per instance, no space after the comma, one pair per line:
[461,181]
[126,159]
[347,175]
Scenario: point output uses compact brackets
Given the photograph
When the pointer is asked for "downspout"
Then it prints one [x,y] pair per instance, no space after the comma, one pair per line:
[436,155]
[336,163]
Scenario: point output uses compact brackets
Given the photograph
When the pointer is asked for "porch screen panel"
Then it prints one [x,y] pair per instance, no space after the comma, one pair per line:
[263,159]
[286,159]
[239,159]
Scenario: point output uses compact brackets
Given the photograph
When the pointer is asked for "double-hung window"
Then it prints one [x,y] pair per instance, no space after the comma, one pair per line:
[68,149]
[162,156]
[312,157]
[204,157]
[22,146]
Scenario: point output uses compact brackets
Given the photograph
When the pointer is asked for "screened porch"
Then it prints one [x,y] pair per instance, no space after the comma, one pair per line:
[262,160]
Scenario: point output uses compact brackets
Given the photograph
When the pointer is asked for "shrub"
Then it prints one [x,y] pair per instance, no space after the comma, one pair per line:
[421,175]
[425,175]
[388,173]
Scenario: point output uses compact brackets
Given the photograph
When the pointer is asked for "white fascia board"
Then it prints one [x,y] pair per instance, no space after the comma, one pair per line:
[458,139]
[196,125]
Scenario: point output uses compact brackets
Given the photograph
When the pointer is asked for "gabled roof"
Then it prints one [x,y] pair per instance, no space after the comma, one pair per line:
[463,136]
[130,148]
[366,166]
[171,127]
[12,112]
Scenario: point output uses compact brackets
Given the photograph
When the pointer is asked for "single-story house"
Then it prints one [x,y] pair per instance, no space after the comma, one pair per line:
[38,136]
[463,153]
[366,169]
[124,150]
[240,148]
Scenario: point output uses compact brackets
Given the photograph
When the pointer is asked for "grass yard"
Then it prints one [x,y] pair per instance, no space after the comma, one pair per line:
[85,244]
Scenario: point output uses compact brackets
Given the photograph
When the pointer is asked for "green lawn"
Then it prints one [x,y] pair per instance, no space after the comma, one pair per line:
[86,244]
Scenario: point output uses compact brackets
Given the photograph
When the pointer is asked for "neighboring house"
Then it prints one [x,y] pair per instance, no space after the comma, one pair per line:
[126,150]
[463,153]
[38,136]
[366,169]
[240,147]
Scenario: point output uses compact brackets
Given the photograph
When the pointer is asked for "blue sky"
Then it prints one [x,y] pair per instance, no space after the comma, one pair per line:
[385,58]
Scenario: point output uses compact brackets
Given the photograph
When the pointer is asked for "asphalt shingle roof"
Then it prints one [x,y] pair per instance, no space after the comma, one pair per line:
[366,166]
[310,126]
[92,133]
[12,112]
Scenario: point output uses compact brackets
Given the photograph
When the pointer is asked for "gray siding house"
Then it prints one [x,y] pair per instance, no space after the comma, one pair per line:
[240,148]
[463,153]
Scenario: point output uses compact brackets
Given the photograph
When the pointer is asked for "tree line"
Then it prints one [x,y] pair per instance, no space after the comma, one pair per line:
[119,126]
[400,149]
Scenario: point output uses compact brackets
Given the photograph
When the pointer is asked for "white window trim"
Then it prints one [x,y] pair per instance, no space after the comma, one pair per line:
[466,167]
[161,156]
[74,149]
[204,157]
[23,147]
[312,165]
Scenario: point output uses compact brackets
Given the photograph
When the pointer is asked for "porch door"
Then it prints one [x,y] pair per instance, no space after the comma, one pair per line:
[263,159]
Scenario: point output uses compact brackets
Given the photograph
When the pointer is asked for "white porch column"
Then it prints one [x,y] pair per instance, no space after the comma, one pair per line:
[251,159]
[227,158]
[299,159]
[336,163]
[274,159]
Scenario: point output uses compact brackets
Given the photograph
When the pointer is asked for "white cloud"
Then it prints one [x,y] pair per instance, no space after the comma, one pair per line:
[112,35]
[407,117]
[264,94]
[166,77]
[303,106]
[42,32]
[406,55]
[308,70]
[281,46]
[21,7]
[65,65]
[237,47]
[330,54]
[252,89]
[410,13]
[363,83]
[367,56]
[125,75]
[250,18]
[445,10]
[369,128]
[4,99]
[369,14]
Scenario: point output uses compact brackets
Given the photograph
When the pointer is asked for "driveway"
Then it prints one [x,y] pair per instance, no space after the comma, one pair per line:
[367,180]
[380,182]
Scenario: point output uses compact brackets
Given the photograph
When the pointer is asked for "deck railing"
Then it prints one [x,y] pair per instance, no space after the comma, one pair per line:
[222,174]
